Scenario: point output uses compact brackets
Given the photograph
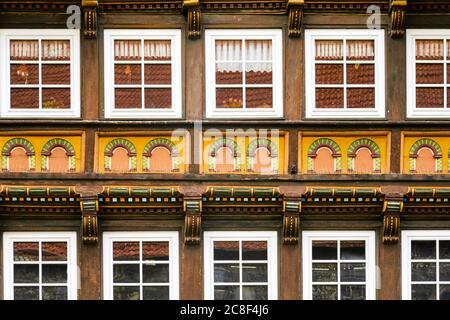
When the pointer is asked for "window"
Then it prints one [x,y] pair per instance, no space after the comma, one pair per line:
[426,265]
[428,69]
[140,265]
[142,73]
[241,265]
[339,265]
[244,74]
[344,72]
[42,77]
[40,266]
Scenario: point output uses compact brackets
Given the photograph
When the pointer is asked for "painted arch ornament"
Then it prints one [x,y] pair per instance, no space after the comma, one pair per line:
[368,144]
[224,143]
[254,145]
[18,143]
[57,143]
[160,142]
[425,143]
[120,143]
[325,143]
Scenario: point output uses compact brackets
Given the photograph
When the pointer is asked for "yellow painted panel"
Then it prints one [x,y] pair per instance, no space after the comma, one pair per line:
[410,138]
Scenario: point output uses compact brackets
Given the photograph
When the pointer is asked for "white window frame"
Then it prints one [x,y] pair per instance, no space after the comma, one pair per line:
[110,35]
[368,236]
[8,258]
[277,73]
[272,257]
[171,236]
[411,36]
[73,35]
[407,237]
[310,73]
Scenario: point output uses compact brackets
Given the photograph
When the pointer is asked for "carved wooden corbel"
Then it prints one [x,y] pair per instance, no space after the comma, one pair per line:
[89,209]
[193,13]
[90,12]
[392,208]
[291,221]
[295,11]
[397,12]
[193,220]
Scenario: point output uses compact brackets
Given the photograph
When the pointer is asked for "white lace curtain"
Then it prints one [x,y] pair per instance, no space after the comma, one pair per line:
[153,49]
[430,49]
[255,50]
[29,50]
[333,49]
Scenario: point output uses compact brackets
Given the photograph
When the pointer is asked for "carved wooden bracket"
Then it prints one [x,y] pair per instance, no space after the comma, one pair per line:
[291,221]
[193,13]
[90,12]
[89,208]
[295,11]
[397,12]
[393,206]
[193,220]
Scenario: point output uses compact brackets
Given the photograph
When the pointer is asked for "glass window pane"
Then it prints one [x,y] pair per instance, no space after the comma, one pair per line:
[128,98]
[56,98]
[423,292]
[444,249]
[126,293]
[353,250]
[353,292]
[229,98]
[258,50]
[158,73]
[324,272]
[24,98]
[429,97]
[26,251]
[26,273]
[358,98]
[127,74]
[324,250]
[125,251]
[156,293]
[353,272]
[254,272]
[229,73]
[24,50]
[226,250]
[26,293]
[54,251]
[428,73]
[258,73]
[157,50]
[421,249]
[155,273]
[54,293]
[254,293]
[429,49]
[330,98]
[423,271]
[54,273]
[228,50]
[360,74]
[158,98]
[254,250]
[127,50]
[258,98]
[360,50]
[155,251]
[56,74]
[126,273]
[324,292]
[226,272]
[444,292]
[226,293]
[55,49]
[444,271]
[329,74]
[329,49]
[24,74]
